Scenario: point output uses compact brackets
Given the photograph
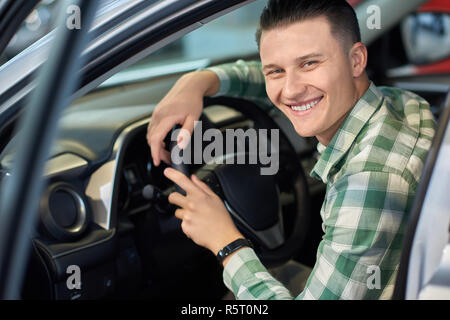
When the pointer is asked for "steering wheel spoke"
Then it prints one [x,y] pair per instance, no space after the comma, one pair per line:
[271,238]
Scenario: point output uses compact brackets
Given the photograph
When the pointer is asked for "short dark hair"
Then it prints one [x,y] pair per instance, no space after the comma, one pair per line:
[340,15]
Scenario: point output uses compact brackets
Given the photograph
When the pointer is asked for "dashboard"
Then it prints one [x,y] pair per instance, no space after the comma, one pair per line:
[93,214]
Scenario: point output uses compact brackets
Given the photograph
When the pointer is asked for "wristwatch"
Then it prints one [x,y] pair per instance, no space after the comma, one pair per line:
[232,247]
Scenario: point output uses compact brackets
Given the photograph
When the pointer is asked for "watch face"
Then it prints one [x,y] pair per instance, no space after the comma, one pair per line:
[221,255]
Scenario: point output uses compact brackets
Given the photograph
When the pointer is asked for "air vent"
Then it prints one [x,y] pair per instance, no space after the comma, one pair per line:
[64,211]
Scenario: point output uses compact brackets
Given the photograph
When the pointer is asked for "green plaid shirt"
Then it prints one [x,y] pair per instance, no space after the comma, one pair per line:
[371,167]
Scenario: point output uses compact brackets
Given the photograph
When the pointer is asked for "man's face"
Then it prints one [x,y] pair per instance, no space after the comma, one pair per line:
[309,76]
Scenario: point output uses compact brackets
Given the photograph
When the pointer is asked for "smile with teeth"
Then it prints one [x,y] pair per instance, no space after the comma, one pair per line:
[306,106]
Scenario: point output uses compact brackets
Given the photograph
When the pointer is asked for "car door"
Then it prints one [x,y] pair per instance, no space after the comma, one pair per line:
[20,192]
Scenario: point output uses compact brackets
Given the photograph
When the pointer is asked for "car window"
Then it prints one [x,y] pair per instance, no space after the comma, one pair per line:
[230,36]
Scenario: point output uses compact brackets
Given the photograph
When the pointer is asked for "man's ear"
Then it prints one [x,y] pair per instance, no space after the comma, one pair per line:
[358,59]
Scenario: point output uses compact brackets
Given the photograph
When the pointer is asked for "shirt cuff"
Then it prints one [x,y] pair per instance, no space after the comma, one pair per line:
[224,79]
[241,266]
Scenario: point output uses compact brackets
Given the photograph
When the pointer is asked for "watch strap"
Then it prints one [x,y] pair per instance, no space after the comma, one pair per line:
[232,247]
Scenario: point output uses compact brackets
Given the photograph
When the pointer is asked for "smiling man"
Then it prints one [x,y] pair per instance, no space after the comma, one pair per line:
[301,72]
[373,142]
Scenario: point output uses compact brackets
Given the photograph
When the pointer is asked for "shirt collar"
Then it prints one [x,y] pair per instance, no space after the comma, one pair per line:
[341,142]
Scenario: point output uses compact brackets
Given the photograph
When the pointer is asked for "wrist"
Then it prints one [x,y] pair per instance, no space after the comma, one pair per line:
[204,80]
[230,249]
[219,245]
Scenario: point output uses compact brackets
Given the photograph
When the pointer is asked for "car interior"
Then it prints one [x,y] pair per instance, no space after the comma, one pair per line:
[104,206]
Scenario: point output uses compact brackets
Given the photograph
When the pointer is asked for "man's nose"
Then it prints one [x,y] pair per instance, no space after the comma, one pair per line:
[294,87]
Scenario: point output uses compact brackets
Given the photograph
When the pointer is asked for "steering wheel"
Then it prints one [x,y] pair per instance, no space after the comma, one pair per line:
[270,210]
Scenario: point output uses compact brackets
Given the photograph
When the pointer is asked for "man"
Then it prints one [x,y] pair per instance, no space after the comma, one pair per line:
[373,142]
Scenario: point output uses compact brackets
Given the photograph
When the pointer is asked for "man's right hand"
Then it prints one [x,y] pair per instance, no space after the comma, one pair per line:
[182,105]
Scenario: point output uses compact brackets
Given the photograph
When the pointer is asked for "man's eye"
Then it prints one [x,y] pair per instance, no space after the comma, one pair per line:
[310,63]
[274,72]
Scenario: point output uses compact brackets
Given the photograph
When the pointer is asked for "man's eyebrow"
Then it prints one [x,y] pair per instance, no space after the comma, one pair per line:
[309,56]
[299,59]
[269,66]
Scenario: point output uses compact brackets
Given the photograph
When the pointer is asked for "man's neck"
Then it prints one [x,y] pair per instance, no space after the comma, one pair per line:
[362,84]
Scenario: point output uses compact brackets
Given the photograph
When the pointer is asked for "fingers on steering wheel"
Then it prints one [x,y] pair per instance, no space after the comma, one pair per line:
[155,150]
[155,138]
[202,185]
[188,129]
[180,179]
[165,156]
[179,213]
[177,199]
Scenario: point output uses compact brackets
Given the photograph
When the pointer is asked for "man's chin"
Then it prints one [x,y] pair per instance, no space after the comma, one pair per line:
[304,133]
[304,128]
